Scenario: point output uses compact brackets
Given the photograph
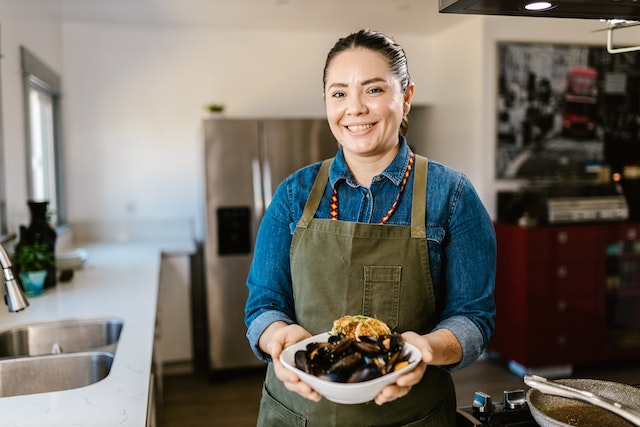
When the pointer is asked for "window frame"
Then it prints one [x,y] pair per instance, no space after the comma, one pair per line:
[37,75]
[3,195]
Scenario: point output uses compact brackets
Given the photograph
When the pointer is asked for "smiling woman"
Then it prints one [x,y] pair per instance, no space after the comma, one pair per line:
[355,234]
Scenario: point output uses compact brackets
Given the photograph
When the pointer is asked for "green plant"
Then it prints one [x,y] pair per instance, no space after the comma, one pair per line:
[33,257]
[215,108]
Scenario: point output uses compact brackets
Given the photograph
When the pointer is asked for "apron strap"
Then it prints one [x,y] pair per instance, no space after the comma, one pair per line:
[418,208]
[311,206]
[419,199]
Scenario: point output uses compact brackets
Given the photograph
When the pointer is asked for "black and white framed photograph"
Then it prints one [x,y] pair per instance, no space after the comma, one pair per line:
[565,110]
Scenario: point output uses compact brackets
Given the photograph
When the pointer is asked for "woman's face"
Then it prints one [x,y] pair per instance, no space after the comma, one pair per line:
[364,102]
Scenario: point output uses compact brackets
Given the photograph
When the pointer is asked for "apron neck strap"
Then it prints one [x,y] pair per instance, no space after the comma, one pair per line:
[418,205]
[311,206]
[419,199]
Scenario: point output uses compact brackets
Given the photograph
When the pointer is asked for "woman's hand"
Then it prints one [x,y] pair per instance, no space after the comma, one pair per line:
[440,347]
[276,338]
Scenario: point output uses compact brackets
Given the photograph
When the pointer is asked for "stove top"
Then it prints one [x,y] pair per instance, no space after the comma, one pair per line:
[512,411]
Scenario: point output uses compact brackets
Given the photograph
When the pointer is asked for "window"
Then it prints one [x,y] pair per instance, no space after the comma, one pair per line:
[3,200]
[42,115]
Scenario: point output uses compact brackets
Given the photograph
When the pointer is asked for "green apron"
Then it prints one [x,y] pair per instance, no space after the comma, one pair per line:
[340,268]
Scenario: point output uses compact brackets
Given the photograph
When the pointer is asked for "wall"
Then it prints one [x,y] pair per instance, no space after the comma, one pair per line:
[134,99]
[34,24]
[461,123]
[454,123]
[540,30]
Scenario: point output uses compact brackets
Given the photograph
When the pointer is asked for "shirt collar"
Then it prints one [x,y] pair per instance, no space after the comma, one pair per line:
[394,171]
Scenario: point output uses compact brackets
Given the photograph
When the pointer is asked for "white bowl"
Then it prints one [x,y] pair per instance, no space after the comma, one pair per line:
[71,260]
[351,393]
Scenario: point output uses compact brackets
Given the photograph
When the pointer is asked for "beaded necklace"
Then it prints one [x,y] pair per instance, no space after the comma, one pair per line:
[334,198]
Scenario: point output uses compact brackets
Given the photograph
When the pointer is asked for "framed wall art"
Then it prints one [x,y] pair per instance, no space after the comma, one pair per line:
[564,109]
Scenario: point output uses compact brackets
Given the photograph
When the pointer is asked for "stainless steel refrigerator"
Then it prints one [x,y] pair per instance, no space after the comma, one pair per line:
[245,161]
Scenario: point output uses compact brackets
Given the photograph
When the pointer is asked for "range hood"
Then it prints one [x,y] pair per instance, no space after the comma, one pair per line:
[587,9]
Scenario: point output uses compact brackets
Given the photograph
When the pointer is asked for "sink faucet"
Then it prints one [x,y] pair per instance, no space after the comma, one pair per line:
[14,298]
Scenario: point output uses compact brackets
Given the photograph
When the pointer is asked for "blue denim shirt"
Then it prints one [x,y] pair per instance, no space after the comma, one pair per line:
[460,238]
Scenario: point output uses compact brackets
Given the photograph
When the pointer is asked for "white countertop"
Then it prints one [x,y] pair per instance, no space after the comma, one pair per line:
[118,280]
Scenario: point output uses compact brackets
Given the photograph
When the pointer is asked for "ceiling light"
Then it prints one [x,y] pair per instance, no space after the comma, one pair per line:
[539,6]
[585,9]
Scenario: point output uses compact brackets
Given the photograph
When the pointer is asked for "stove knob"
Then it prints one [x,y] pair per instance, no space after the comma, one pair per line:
[482,402]
[514,399]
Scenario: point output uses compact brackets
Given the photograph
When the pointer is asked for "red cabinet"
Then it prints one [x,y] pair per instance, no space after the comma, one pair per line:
[563,292]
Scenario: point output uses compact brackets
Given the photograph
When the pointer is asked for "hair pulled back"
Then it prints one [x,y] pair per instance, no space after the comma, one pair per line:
[384,45]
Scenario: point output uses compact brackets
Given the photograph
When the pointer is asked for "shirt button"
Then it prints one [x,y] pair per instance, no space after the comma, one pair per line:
[378,178]
[366,196]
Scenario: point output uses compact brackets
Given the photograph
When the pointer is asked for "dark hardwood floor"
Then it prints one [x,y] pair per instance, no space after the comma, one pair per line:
[192,400]
[232,400]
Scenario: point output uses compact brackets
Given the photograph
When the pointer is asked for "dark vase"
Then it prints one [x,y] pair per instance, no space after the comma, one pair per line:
[40,231]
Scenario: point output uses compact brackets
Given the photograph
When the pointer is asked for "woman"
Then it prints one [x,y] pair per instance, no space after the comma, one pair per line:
[377,231]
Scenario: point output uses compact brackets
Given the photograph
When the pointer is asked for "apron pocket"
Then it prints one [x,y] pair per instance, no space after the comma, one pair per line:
[381,297]
[274,413]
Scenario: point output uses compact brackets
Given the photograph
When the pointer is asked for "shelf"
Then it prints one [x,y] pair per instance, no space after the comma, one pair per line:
[623,339]
[620,293]
[625,255]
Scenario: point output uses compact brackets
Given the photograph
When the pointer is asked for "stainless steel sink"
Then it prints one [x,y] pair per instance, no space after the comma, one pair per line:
[66,336]
[40,374]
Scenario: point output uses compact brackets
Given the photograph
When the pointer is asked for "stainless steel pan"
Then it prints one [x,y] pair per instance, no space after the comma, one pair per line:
[555,411]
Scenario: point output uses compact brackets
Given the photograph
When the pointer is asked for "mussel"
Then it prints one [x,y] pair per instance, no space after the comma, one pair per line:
[342,359]
[366,372]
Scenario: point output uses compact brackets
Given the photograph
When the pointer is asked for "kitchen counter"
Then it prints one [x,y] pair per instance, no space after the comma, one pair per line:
[118,280]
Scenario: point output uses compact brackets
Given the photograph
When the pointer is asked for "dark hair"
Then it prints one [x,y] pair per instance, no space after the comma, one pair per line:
[377,42]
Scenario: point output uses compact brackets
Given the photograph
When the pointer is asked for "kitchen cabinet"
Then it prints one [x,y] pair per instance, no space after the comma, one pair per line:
[152,419]
[174,341]
[567,294]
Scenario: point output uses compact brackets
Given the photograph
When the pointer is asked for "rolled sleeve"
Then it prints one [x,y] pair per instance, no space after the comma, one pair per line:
[462,264]
[257,327]
[470,338]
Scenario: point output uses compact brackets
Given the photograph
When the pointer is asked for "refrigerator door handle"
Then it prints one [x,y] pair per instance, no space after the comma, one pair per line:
[266,182]
[258,201]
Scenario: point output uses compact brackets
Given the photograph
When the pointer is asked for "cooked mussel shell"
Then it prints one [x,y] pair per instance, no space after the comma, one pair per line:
[319,352]
[301,361]
[341,346]
[335,338]
[367,339]
[400,365]
[346,364]
[391,342]
[342,359]
[366,372]
[341,370]
[368,348]
[393,357]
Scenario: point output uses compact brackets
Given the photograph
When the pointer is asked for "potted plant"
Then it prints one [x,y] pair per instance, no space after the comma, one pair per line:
[31,261]
[214,110]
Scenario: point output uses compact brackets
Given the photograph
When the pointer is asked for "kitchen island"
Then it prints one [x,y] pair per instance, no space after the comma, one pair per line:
[118,280]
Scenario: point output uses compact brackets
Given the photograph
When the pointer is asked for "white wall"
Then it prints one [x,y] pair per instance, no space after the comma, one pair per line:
[134,100]
[34,24]
[454,124]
